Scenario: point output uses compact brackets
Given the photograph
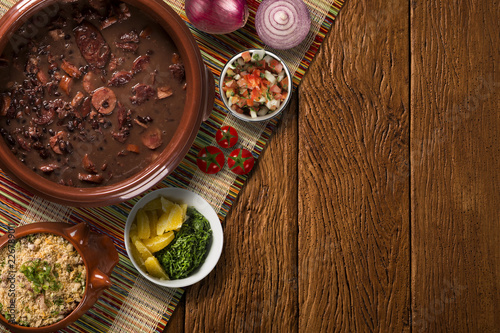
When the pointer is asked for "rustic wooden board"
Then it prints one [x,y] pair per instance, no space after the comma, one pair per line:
[455,163]
[353,175]
[254,286]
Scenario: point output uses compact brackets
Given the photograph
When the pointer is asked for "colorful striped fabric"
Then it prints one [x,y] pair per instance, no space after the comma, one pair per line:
[132,304]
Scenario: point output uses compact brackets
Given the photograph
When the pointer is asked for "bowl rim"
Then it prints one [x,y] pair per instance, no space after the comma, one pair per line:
[192,199]
[269,115]
[167,160]
[59,229]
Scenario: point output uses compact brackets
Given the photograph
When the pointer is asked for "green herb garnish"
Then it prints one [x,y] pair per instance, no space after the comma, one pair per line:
[187,250]
[40,274]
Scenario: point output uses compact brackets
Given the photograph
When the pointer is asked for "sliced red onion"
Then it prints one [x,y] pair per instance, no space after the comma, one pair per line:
[217,16]
[282,24]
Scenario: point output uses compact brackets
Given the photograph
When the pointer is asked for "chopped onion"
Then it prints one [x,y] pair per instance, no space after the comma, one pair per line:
[217,16]
[282,24]
[270,77]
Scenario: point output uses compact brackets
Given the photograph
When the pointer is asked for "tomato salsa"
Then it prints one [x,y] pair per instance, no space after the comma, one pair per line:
[255,84]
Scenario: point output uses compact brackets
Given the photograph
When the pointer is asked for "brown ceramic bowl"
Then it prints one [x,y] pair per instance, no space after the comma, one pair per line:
[200,90]
[99,256]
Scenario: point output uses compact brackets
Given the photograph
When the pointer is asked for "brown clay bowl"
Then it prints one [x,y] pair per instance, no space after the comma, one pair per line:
[98,253]
[200,89]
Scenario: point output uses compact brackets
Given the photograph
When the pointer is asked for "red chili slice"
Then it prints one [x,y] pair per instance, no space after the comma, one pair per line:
[210,160]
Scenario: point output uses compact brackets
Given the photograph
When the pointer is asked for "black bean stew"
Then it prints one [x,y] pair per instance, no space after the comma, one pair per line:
[91,97]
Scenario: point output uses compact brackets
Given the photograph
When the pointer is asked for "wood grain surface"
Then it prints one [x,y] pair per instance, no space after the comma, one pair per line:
[455,165]
[353,175]
[375,204]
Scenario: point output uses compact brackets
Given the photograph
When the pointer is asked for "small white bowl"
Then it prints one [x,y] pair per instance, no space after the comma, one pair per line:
[179,195]
[244,116]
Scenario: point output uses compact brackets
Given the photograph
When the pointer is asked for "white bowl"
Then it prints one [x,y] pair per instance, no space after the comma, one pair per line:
[269,115]
[179,195]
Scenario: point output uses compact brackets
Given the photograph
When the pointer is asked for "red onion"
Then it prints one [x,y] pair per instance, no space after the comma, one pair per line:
[282,24]
[217,16]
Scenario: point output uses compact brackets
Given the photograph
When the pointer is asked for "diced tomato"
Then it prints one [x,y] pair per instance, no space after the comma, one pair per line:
[242,102]
[230,92]
[249,102]
[237,109]
[284,84]
[235,99]
[244,93]
[253,80]
[284,95]
[278,96]
[231,84]
[275,89]
[256,94]
[260,64]
[276,66]
[242,83]
[246,56]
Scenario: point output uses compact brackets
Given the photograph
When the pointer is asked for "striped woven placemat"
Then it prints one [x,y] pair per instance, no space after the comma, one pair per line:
[133,304]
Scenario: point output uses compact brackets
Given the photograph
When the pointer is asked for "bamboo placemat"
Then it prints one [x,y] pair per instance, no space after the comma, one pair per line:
[133,304]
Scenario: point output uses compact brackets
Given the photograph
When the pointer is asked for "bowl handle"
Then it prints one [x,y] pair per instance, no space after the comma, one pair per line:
[78,233]
[98,280]
[98,249]
[210,93]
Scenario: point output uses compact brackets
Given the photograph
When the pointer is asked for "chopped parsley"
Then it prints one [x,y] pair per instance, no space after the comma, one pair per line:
[40,274]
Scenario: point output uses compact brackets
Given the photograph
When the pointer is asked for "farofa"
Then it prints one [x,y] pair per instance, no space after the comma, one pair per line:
[50,280]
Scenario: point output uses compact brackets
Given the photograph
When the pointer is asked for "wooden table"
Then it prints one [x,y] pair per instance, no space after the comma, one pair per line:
[375,206]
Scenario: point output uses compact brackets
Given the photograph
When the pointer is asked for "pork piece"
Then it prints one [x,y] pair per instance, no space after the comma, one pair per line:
[130,37]
[66,84]
[5,104]
[107,22]
[42,77]
[176,59]
[142,93]
[177,71]
[151,138]
[123,12]
[114,62]
[23,143]
[49,167]
[92,45]
[71,69]
[146,32]
[58,142]
[86,107]
[32,65]
[89,82]
[91,178]
[129,47]
[77,99]
[140,63]
[120,78]
[56,34]
[164,92]
[123,115]
[104,100]
[88,165]
[122,135]
[99,5]
[46,117]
